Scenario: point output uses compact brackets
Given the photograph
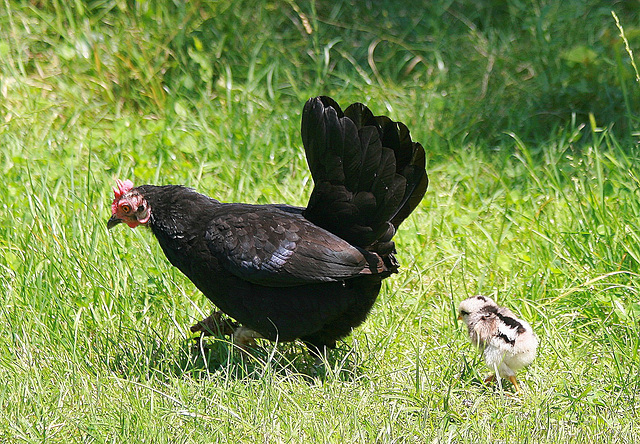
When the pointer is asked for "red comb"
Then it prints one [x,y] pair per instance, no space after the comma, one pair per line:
[122,188]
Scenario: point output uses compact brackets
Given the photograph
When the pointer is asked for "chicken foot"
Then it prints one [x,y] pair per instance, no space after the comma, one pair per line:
[215,325]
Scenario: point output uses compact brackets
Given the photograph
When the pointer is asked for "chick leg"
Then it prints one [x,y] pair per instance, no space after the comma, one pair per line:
[490,378]
[515,383]
[215,325]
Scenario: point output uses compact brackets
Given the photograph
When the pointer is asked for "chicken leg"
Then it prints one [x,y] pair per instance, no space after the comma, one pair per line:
[215,325]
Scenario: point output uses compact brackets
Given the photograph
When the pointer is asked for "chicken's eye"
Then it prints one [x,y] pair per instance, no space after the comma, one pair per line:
[126,208]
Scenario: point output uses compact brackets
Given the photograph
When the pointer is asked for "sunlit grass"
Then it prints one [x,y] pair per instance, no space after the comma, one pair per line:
[94,336]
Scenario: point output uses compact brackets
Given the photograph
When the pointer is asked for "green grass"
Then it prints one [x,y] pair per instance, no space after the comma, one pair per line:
[531,125]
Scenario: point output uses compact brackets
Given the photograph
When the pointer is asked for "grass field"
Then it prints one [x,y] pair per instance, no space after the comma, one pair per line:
[530,115]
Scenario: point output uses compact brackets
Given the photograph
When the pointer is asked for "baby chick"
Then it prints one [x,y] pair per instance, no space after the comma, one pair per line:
[508,343]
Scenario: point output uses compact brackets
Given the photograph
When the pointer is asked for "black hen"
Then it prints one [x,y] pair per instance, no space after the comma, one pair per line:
[285,272]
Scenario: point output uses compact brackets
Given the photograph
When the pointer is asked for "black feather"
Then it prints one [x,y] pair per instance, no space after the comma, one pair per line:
[506,338]
[508,320]
[380,179]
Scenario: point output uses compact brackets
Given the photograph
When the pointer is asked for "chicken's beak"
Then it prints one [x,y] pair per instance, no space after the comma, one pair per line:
[459,316]
[113,222]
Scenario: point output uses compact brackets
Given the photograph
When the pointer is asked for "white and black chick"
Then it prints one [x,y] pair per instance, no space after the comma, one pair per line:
[507,342]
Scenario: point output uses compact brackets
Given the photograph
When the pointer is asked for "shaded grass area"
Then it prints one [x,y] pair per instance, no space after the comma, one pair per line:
[543,217]
[470,70]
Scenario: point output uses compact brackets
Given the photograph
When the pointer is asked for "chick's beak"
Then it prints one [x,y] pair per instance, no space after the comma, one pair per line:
[113,221]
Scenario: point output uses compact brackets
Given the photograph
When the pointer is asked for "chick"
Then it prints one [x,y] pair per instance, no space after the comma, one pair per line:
[508,343]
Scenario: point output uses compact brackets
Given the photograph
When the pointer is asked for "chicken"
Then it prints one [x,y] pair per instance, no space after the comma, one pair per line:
[508,343]
[283,272]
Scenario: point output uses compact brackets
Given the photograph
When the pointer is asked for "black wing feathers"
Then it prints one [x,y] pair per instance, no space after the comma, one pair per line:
[268,246]
[368,173]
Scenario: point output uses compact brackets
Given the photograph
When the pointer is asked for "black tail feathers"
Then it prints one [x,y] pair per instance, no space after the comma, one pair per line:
[368,173]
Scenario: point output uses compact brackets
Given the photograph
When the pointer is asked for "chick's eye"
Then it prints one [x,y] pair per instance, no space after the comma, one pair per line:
[126,208]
